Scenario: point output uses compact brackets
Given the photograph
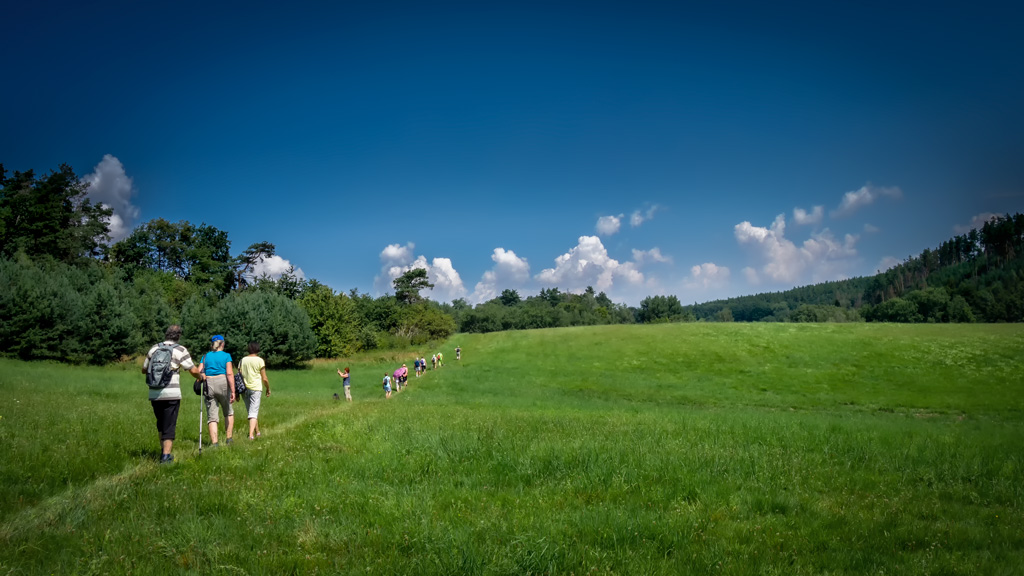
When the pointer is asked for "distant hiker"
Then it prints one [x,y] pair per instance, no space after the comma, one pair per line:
[165,386]
[440,359]
[433,362]
[345,384]
[458,353]
[387,386]
[423,364]
[397,379]
[254,372]
[220,382]
[416,366]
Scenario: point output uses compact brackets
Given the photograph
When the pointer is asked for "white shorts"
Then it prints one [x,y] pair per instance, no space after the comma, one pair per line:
[252,403]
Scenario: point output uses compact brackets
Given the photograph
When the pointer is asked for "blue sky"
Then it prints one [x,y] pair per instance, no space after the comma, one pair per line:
[705,150]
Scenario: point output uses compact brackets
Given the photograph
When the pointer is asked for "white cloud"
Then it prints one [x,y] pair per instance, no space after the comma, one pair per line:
[871,229]
[652,255]
[588,264]
[639,217]
[707,275]
[510,271]
[751,275]
[866,195]
[608,225]
[110,186]
[274,267]
[887,262]
[397,254]
[397,260]
[446,280]
[976,223]
[814,217]
[821,257]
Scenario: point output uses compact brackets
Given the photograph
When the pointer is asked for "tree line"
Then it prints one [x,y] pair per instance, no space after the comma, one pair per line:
[68,294]
[972,277]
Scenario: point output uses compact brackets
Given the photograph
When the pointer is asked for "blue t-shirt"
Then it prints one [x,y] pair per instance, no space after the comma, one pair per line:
[216,363]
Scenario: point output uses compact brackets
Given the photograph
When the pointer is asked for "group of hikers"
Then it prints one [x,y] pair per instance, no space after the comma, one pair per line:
[399,379]
[215,380]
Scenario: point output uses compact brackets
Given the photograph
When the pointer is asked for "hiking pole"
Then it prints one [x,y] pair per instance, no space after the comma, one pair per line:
[201,402]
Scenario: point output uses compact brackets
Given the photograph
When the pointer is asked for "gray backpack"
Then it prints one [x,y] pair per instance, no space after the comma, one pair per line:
[158,375]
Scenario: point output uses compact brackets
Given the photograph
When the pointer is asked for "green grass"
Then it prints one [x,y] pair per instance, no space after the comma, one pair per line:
[673,449]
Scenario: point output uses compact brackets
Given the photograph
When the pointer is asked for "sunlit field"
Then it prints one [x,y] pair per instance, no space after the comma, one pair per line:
[669,449]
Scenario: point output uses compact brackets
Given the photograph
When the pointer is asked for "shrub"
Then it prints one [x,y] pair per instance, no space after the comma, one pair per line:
[277,322]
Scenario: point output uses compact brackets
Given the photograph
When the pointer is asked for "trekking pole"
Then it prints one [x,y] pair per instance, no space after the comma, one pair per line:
[201,402]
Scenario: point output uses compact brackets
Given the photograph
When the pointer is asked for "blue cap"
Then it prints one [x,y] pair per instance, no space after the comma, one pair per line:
[216,337]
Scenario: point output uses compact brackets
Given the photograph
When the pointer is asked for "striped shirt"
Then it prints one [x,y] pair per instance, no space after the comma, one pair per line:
[180,358]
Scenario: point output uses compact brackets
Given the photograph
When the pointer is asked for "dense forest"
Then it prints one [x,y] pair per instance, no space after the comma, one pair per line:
[69,294]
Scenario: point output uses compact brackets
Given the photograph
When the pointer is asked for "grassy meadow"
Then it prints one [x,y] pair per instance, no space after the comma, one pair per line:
[668,449]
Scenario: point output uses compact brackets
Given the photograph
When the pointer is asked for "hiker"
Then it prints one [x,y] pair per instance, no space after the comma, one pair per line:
[416,366]
[220,382]
[345,384]
[167,399]
[387,386]
[433,362]
[397,379]
[458,353]
[254,372]
[440,359]
[405,375]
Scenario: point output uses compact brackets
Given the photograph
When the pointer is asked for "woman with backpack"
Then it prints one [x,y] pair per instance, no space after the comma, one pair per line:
[254,372]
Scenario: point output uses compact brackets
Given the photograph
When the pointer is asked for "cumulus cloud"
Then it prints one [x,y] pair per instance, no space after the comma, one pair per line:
[510,271]
[751,275]
[871,229]
[397,254]
[707,275]
[886,263]
[397,260]
[274,267]
[821,256]
[639,217]
[652,255]
[814,217]
[866,195]
[446,280]
[110,185]
[976,223]
[588,264]
[608,225]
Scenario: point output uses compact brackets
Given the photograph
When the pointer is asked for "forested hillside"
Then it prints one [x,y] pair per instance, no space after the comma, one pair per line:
[973,277]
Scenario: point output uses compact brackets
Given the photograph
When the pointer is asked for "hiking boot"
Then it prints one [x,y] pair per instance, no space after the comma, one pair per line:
[166,458]
[228,441]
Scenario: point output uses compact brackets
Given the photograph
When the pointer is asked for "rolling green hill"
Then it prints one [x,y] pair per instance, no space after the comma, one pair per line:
[667,449]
